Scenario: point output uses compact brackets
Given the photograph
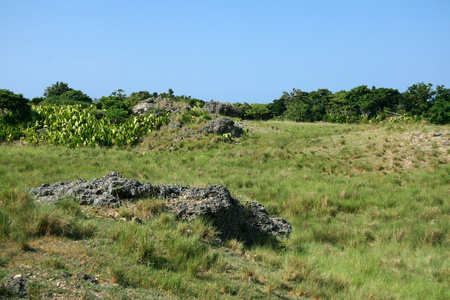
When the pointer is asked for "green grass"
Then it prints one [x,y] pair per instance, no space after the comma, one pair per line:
[368,205]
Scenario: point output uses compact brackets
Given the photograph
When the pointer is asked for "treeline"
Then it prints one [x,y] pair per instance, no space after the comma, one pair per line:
[419,101]
[360,104]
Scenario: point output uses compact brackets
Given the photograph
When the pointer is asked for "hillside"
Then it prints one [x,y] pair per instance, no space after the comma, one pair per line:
[368,205]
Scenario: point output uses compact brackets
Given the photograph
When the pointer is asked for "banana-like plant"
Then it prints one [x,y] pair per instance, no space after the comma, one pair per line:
[75,126]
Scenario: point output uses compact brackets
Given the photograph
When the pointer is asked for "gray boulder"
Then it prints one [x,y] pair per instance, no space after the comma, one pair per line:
[106,191]
[221,126]
[158,105]
[221,108]
[248,223]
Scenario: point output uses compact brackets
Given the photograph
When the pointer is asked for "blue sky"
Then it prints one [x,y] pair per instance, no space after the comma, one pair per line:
[233,51]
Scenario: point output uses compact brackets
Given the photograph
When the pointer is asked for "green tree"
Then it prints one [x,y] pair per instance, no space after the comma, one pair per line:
[115,100]
[257,111]
[14,104]
[319,101]
[298,106]
[137,97]
[71,97]
[339,109]
[116,109]
[418,99]
[277,107]
[56,89]
[440,111]
[76,95]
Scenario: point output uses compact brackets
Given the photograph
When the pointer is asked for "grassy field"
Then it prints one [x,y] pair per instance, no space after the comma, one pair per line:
[368,203]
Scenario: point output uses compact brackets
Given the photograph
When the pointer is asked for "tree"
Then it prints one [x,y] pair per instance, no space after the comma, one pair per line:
[75,95]
[418,99]
[297,105]
[56,89]
[137,97]
[373,102]
[115,100]
[440,111]
[15,104]
[277,107]
[319,101]
[257,111]
[116,109]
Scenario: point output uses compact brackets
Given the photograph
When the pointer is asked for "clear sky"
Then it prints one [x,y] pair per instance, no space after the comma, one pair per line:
[234,51]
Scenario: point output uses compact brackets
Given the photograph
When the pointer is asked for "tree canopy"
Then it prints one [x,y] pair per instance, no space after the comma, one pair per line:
[14,104]
[57,89]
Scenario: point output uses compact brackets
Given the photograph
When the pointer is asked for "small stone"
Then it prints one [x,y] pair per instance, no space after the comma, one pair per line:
[87,278]
[137,220]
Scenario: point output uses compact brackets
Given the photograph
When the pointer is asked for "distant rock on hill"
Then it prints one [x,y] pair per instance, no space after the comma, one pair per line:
[221,126]
[248,222]
[159,104]
[221,108]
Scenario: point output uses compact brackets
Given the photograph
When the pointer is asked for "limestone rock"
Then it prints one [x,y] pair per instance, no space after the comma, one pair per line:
[159,104]
[106,191]
[221,108]
[214,203]
[222,126]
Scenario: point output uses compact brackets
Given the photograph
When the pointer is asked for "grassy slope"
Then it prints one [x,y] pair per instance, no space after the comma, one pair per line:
[368,204]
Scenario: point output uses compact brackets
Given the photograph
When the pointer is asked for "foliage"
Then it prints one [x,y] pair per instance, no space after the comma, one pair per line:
[115,100]
[298,106]
[73,97]
[440,111]
[360,104]
[193,102]
[137,97]
[193,115]
[14,104]
[61,94]
[277,107]
[117,109]
[74,126]
[56,89]
[418,99]
[257,112]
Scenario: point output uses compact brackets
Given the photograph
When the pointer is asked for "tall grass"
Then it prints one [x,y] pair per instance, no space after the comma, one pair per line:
[368,206]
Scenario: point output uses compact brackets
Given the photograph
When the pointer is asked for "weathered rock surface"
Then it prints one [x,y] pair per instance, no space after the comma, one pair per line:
[16,286]
[159,104]
[106,191]
[221,126]
[221,108]
[248,222]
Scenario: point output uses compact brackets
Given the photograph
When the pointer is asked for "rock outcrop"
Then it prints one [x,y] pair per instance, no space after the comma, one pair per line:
[249,222]
[221,126]
[221,108]
[159,104]
[106,191]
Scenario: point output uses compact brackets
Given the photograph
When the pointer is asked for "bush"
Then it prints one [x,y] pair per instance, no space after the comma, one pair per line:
[190,116]
[440,111]
[14,105]
[74,126]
